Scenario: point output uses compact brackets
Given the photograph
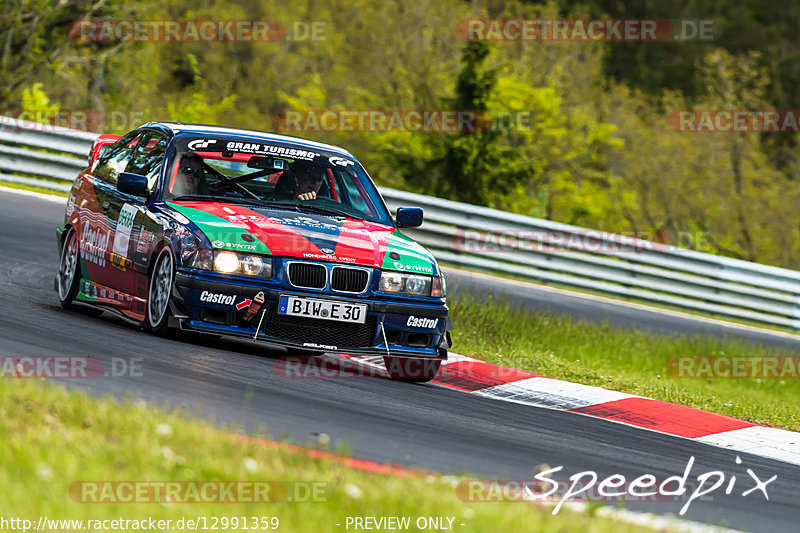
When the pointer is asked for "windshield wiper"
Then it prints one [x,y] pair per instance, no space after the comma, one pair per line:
[213,198]
[301,207]
[325,211]
[268,204]
[210,198]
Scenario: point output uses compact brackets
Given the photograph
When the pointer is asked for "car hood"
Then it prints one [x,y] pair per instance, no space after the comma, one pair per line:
[305,235]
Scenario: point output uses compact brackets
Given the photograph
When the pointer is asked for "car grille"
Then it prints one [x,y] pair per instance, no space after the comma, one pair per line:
[328,332]
[349,279]
[307,275]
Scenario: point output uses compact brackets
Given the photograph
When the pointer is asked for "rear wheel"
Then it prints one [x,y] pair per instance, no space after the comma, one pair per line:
[160,293]
[68,267]
[412,369]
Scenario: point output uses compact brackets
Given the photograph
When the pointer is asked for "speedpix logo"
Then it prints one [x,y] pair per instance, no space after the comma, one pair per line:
[420,322]
[413,268]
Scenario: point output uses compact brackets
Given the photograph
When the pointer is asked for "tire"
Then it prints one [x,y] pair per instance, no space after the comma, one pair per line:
[412,369]
[68,278]
[160,293]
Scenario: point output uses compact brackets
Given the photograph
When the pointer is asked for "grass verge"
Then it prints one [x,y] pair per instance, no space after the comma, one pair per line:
[626,360]
[620,298]
[54,438]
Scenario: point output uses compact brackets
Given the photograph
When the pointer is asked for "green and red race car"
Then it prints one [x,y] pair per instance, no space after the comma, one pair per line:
[243,233]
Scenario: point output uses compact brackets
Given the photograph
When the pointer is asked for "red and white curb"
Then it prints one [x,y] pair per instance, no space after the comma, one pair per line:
[511,385]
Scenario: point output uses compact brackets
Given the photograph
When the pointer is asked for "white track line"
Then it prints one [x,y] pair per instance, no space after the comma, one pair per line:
[41,196]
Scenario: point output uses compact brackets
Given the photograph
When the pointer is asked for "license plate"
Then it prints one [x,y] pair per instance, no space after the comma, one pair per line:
[322,309]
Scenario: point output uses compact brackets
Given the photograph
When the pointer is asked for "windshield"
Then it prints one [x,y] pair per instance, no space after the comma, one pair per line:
[272,175]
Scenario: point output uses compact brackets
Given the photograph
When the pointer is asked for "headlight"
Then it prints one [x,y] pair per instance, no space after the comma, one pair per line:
[253,265]
[230,263]
[226,262]
[405,283]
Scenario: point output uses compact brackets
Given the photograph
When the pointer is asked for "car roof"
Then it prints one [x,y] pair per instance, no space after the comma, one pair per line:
[189,129]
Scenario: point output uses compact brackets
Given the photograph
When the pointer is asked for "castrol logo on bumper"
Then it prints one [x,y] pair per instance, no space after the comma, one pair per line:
[217,298]
[419,322]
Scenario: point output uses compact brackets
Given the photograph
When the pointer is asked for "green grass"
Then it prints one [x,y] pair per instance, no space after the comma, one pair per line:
[621,298]
[53,438]
[625,360]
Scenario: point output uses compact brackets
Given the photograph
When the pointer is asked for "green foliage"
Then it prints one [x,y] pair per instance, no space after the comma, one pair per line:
[471,166]
[595,148]
[36,100]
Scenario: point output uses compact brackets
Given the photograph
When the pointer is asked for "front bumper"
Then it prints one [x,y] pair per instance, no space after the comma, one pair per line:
[208,303]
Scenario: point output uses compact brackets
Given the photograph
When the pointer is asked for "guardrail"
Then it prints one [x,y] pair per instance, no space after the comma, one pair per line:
[540,250]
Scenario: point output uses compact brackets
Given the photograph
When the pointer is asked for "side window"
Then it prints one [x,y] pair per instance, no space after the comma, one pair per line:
[148,157]
[116,157]
[349,193]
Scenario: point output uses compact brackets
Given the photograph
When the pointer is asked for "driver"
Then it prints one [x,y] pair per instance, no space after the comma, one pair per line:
[307,179]
[191,178]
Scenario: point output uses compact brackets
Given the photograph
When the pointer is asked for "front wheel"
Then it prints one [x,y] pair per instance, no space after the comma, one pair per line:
[412,369]
[160,293]
[68,267]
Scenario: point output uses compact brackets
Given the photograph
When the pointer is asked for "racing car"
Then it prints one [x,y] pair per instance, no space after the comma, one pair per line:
[231,232]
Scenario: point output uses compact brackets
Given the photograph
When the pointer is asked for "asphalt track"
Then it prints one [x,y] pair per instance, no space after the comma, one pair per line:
[416,425]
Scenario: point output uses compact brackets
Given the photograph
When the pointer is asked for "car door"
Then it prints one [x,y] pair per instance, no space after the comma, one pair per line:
[135,227]
[100,222]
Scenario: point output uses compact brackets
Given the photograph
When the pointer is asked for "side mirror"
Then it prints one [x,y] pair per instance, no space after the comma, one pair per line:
[408,217]
[133,184]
